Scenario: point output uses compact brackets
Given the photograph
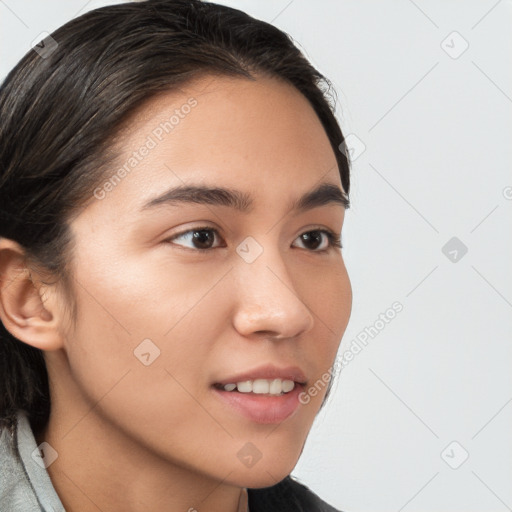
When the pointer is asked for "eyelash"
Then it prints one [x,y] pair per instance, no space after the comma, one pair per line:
[334,239]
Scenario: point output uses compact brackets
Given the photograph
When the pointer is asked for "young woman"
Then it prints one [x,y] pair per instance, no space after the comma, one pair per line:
[173,292]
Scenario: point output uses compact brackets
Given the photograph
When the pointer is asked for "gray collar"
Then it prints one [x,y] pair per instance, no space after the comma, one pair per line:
[28,487]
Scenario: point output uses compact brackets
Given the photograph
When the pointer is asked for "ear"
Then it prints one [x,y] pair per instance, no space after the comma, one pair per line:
[27,308]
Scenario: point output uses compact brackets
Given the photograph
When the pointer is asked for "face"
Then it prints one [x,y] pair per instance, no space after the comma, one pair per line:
[179,297]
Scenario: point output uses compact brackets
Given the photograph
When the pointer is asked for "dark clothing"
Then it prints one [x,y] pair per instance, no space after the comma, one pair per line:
[286,496]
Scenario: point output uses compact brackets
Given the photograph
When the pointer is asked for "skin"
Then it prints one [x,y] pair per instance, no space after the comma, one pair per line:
[131,437]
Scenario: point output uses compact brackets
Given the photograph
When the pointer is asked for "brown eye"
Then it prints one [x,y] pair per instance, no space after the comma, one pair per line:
[200,238]
[313,240]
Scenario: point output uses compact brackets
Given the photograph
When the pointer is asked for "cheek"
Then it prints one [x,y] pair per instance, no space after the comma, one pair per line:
[140,358]
[122,325]
[146,329]
[329,297]
[331,305]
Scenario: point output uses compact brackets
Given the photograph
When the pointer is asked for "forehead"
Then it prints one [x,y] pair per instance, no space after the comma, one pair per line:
[265,117]
[261,136]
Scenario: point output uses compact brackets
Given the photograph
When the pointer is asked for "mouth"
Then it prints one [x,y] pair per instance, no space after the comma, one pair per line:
[266,395]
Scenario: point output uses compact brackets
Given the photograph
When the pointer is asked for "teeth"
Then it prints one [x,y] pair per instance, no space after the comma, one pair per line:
[275,387]
[245,386]
[262,386]
[288,385]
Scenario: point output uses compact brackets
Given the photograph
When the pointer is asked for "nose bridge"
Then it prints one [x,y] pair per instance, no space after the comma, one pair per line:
[267,300]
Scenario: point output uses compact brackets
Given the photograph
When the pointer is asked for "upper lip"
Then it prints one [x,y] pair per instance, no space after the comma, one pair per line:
[268,371]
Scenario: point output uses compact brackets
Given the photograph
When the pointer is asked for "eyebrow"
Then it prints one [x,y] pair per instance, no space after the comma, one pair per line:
[322,195]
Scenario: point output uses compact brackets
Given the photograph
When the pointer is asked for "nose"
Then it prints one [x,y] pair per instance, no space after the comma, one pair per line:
[268,303]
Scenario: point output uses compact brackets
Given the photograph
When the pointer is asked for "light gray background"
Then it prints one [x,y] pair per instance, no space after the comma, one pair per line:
[435,125]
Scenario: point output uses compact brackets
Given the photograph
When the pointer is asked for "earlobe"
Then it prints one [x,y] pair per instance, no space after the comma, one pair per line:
[27,309]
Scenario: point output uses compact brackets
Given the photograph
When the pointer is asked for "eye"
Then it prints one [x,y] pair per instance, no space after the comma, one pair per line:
[202,239]
[314,238]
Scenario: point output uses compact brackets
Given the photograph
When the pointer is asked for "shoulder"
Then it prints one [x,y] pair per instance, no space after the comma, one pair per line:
[289,495]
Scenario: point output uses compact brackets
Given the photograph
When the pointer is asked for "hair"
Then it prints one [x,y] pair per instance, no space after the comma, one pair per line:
[62,106]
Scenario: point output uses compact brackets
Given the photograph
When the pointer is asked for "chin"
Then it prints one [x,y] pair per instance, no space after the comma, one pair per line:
[265,472]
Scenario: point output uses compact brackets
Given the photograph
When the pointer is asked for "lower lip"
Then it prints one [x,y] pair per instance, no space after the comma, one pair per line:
[263,408]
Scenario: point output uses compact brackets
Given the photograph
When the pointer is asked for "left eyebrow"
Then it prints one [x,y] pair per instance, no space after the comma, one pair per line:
[322,195]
